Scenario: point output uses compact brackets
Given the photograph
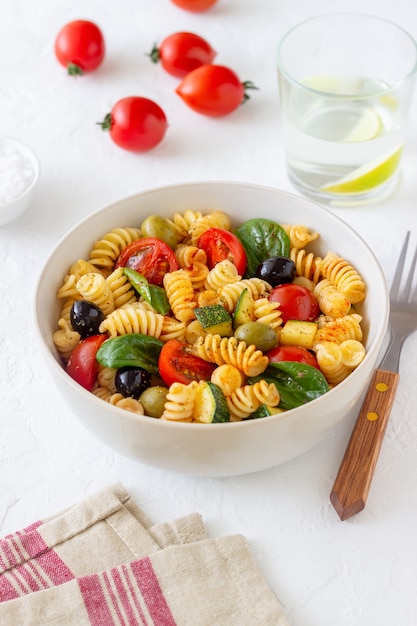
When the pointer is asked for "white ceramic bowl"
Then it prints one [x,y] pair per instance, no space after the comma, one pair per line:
[19,167]
[215,449]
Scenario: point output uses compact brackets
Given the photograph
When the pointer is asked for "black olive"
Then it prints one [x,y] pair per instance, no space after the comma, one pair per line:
[131,381]
[276,270]
[86,318]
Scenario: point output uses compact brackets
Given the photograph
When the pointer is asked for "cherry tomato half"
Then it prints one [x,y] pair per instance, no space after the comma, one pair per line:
[194,5]
[292,353]
[181,53]
[136,124]
[82,365]
[213,90]
[79,46]
[296,302]
[220,244]
[149,256]
[177,364]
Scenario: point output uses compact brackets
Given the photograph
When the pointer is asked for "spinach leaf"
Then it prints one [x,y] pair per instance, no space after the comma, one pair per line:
[262,239]
[154,295]
[133,349]
[297,383]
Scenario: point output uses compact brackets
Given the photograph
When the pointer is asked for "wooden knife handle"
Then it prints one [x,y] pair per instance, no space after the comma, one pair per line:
[351,487]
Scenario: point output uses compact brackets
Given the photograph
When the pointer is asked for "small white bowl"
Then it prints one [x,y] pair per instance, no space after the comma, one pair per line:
[230,448]
[19,174]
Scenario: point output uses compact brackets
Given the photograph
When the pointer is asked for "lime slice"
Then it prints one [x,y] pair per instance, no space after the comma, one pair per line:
[366,128]
[326,84]
[367,176]
[389,101]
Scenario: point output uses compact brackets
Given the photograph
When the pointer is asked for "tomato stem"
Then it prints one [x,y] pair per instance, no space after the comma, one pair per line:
[154,54]
[248,84]
[107,123]
[74,70]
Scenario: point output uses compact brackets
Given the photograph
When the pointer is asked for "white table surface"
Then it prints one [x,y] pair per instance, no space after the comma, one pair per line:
[360,572]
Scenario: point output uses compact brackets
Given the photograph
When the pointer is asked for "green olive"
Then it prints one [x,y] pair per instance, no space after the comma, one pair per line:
[260,335]
[159,227]
[153,400]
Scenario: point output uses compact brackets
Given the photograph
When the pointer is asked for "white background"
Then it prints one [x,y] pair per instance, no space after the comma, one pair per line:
[361,572]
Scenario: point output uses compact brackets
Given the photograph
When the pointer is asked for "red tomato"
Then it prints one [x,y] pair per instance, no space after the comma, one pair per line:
[136,124]
[178,364]
[79,46]
[213,90]
[221,244]
[181,53]
[292,353]
[296,302]
[149,256]
[194,5]
[82,365]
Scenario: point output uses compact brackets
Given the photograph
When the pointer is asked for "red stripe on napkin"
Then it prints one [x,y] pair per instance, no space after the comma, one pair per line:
[126,595]
[152,593]
[95,600]
[28,565]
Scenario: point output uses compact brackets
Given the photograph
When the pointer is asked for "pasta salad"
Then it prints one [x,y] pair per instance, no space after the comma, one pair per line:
[189,319]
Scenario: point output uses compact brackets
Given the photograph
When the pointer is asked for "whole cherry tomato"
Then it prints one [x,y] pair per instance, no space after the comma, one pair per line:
[149,256]
[295,302]
[181,53]
[177,363]
[194,5]
[213,90]
[82,365]
[220,244]
[292,353]
[136,124]
[79,46]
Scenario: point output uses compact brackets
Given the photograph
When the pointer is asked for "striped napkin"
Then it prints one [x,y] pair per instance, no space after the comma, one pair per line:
[103,563]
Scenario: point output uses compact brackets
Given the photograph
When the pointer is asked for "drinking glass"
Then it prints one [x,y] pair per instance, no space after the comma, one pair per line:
[346,83]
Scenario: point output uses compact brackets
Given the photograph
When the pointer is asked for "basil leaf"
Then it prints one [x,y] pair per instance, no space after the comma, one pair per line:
[262,239]
[154,295]
[297,383]
[134,349]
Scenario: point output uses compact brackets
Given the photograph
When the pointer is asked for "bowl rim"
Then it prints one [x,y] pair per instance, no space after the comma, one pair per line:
[146,420]
[34,159]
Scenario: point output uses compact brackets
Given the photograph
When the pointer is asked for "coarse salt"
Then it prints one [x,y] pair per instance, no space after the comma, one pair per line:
[16,173]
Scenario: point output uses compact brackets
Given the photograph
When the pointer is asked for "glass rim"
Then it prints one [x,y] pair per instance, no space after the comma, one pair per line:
[391,87]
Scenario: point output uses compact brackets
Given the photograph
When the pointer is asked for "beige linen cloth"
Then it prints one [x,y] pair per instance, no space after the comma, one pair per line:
[102,563]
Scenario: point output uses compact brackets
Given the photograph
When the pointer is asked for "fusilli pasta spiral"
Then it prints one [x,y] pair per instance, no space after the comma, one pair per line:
[267,312]
[339,329]
[300,236]
[223,273]
[215,219]
[179,403]
[331,301]
[105,251]
[344,277]
[228,378]
[182,223]
[117,399]
[187,255]
[65,339]
[229,294]
[306,264]
[221,350]
[126,320]
[245,400]
[122,290]
[180,294]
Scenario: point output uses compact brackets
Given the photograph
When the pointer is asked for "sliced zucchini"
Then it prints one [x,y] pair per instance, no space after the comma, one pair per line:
[243,313]
[215,319]
[265,411]
[298,333]
[210,404]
